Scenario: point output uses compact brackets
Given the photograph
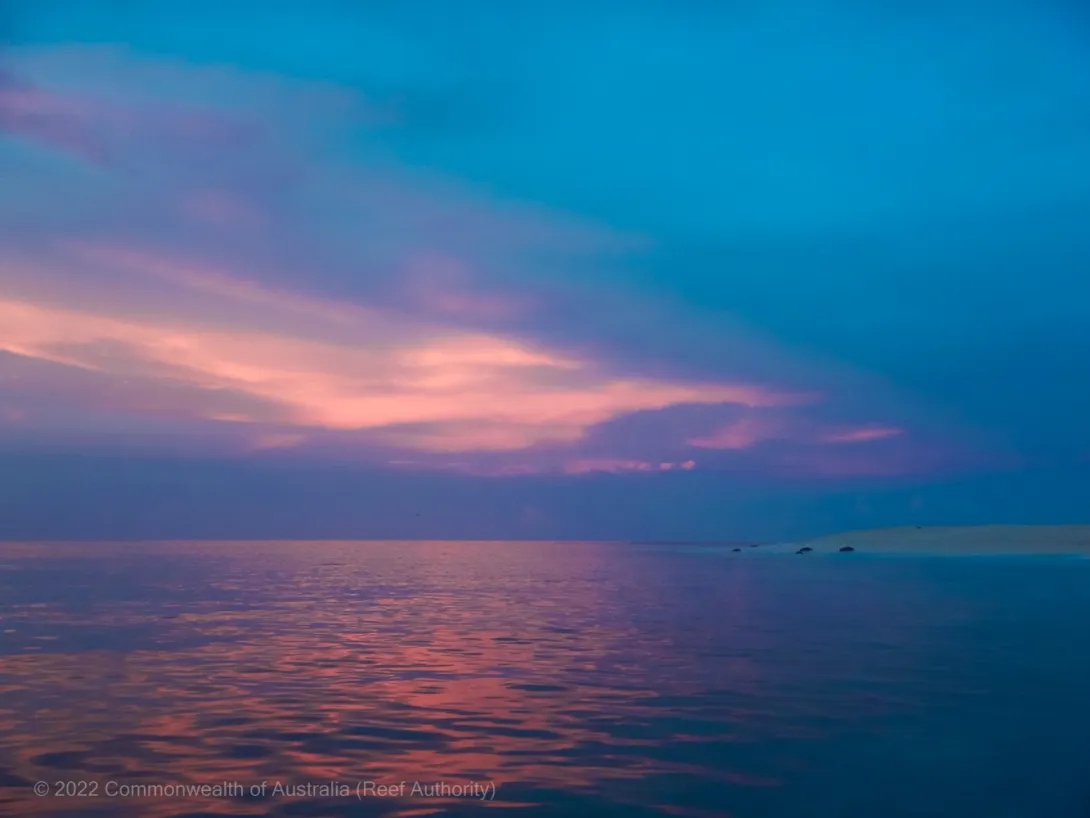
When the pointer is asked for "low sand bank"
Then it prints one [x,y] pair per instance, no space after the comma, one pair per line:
[951,540]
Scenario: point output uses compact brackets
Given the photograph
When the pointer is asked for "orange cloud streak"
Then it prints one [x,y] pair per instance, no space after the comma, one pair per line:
[470,391]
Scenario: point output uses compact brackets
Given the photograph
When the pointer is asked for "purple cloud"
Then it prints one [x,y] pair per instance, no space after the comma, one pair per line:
[235,275]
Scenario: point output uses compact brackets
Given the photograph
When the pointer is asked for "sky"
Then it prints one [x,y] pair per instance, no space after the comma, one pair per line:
[641,270]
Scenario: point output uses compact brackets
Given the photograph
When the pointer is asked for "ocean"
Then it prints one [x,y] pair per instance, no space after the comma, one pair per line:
[539,679]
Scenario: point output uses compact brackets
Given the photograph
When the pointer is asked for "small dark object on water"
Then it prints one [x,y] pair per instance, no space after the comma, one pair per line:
[919,527]
[737,550]
[846,548]
[804,549]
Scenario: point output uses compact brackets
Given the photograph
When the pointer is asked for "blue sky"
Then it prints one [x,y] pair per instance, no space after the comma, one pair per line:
[761,269]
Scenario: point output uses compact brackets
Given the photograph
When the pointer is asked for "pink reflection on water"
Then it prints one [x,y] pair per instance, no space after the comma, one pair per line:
[420,662]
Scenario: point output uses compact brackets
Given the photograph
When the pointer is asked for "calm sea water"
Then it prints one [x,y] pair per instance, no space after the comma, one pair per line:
[554,679]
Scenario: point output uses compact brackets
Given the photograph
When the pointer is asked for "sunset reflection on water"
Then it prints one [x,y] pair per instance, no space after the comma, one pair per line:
[575,678]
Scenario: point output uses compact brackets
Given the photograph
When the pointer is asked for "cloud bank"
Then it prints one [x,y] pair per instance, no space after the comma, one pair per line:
[219,273]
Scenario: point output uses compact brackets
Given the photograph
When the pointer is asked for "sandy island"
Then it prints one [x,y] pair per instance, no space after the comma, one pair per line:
[949,540]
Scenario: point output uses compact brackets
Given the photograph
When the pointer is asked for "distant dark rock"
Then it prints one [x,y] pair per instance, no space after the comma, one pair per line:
[845,549]
[804,550]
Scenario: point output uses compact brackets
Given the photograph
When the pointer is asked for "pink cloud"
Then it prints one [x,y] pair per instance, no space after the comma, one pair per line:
[121,301]
[750,431]
[476,436]
[243,294]
[50,119]
[106,132]
[441,285]
[411,383]
[743,433]
[862,434]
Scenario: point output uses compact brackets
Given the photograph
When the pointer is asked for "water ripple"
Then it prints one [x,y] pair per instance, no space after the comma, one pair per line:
[577,679]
